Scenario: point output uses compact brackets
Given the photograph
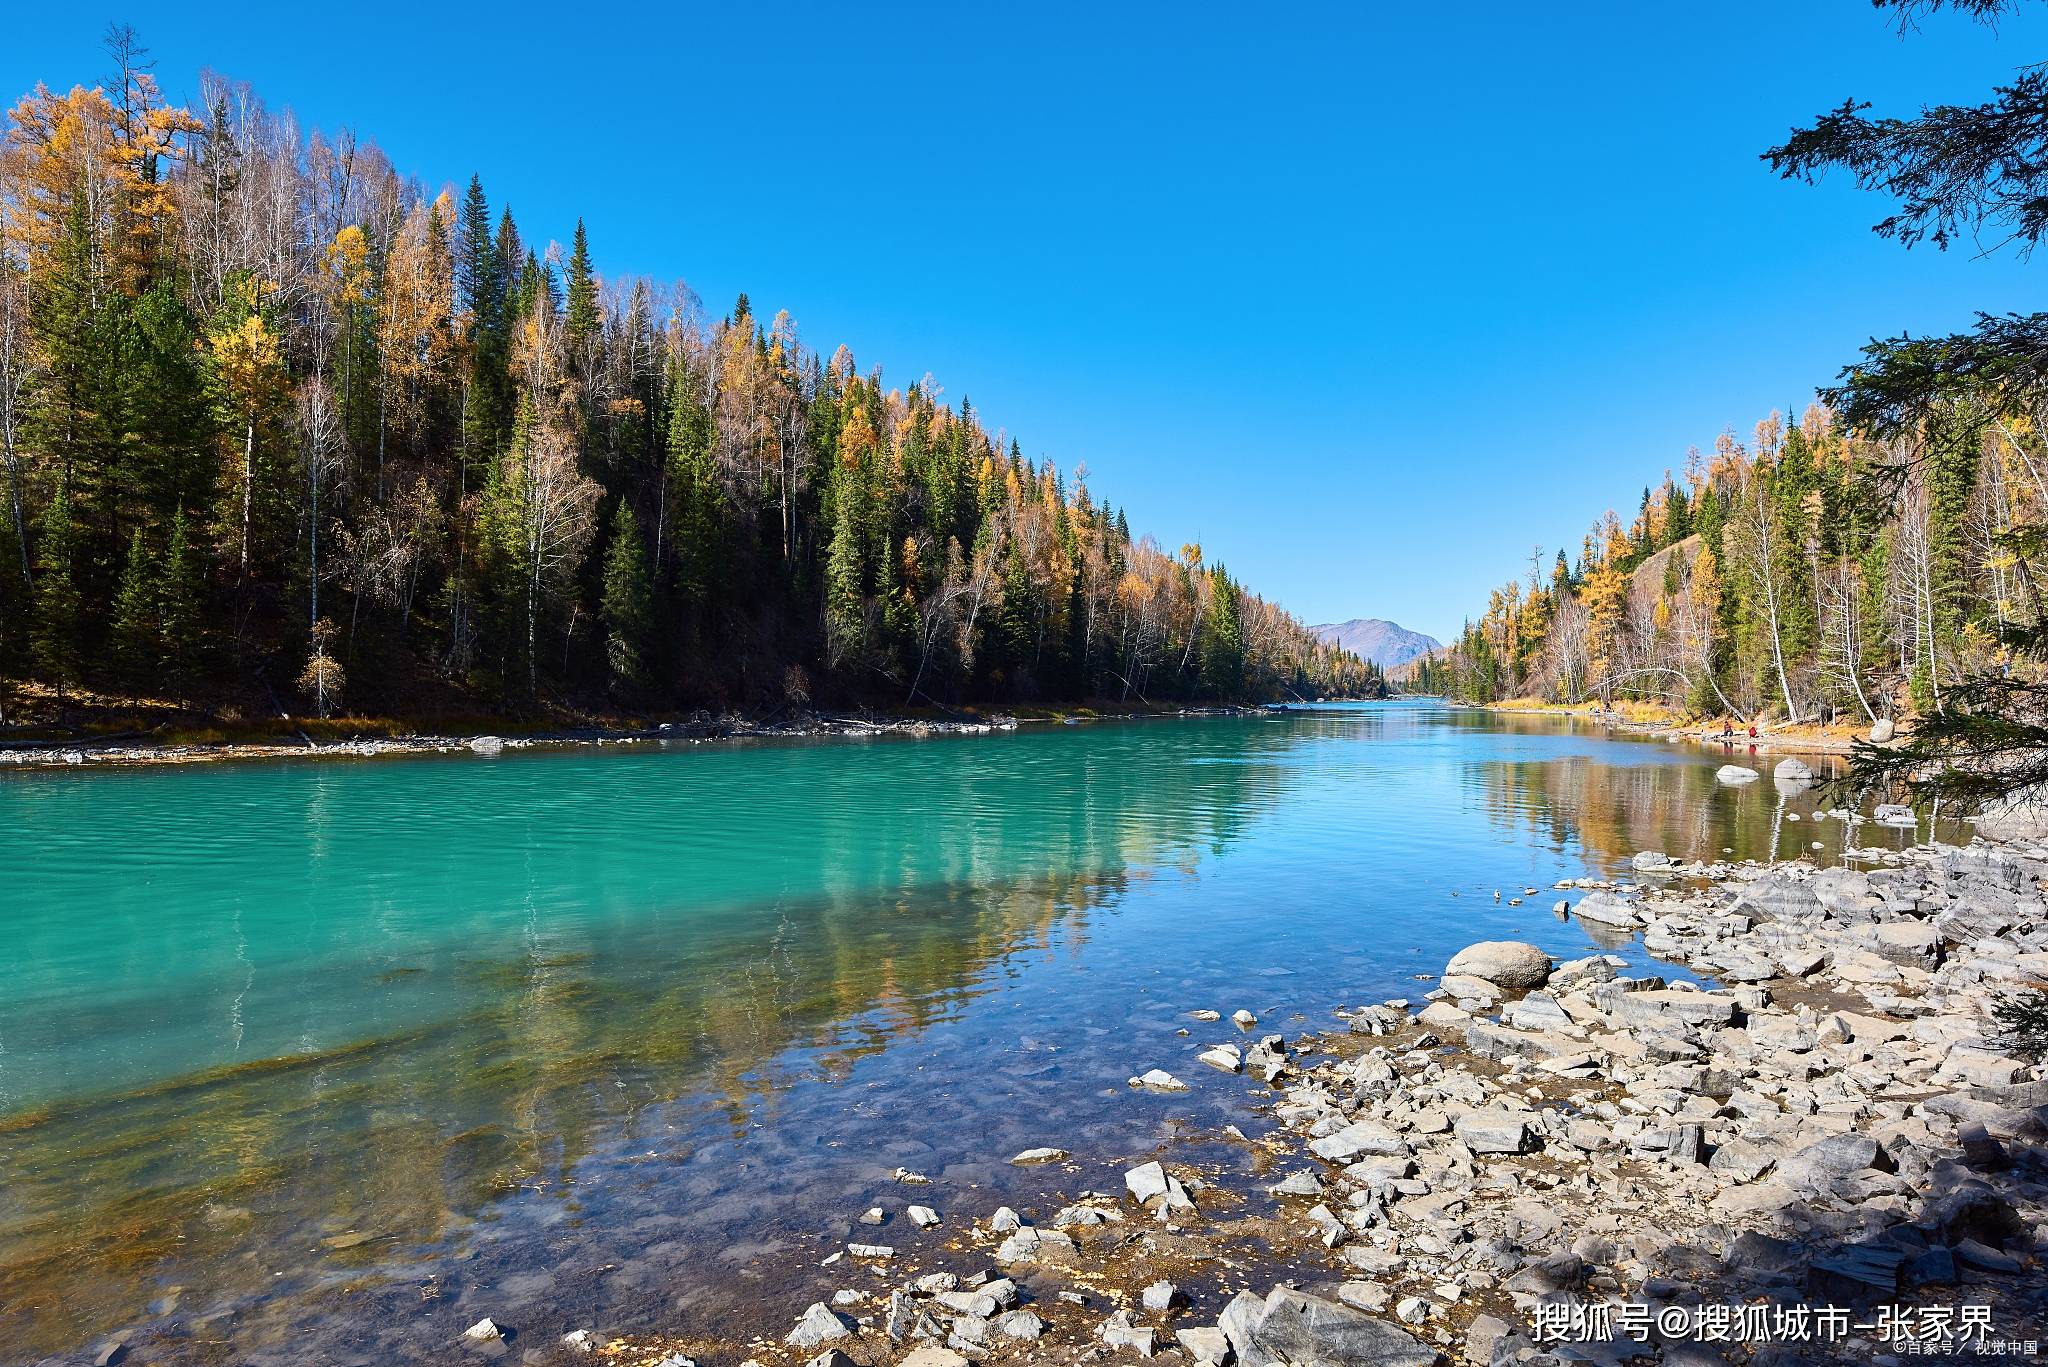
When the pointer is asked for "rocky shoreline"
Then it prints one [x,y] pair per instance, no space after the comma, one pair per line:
[1819,1155]
[701,728]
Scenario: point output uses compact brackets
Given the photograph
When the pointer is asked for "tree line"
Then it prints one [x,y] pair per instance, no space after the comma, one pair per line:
[278,420]
[1814,572]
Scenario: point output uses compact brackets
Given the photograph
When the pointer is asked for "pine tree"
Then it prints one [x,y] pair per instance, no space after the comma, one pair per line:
[135,631]
[627,603]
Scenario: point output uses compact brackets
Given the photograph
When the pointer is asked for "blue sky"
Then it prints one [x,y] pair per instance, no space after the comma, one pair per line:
[1368,303]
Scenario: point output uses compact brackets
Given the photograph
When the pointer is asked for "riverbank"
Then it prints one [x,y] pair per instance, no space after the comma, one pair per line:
[380,738]
[1529,1152]
[1663,723]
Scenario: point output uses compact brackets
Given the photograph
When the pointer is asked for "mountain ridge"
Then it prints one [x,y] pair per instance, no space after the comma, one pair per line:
[1387,644]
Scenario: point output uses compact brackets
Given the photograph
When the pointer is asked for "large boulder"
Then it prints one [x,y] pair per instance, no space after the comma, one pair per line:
[1299,1330]
[1359,1139]
[1779,896]
[1608,909]
[2017,816]
[1823,1163]
[1736,773]
[1504,963]
[1882,731]
[1494,1131]
[1793,771]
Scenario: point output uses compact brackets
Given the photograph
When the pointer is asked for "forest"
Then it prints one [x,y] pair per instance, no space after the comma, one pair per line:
[1812,573]
[284,429]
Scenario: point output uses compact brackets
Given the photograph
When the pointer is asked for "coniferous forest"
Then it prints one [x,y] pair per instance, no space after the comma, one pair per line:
[285,428]
[1813,573]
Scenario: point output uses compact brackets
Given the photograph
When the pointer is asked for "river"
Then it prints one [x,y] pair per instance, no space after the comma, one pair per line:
[321,1061]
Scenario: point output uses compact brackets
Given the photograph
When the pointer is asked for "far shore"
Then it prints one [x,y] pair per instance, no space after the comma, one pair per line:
[1662,724]
[379,738]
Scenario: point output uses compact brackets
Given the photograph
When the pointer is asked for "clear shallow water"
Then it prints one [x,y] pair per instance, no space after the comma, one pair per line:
[338,1056]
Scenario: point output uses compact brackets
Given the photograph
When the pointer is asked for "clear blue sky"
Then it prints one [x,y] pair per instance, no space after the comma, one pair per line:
[1369,303]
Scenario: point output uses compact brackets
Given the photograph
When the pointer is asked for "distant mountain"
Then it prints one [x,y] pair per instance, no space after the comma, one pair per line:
[1386,644]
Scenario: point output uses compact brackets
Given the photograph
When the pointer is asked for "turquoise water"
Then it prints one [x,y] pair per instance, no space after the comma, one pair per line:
[346,1053]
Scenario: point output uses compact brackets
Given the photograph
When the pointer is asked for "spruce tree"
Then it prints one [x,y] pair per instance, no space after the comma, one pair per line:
[580,322]
[843,608]
[627,602]
[135,640]
[181,608]
[1223,640]
[55,631]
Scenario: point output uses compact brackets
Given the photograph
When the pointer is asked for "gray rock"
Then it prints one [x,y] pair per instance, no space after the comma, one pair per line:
[1494,1132]
[1556,1273]
[1300,1330]
[1914,943]
[1021,1325]
[1608,909]
[1504,963]
[1754,1252]
[1856,1275]
[1822,1164]
[1303,1183]
[1206,1344]
[1793,770]
[1735,773]
[977,1303]
[1121,1331]
[1482,1334]
[1030,1156]
[1159,1080]
[1030,1245]
[1882,730]
[1537,1011]
[1146,1182]
[1161,1296]
[1983,1258]
[1359,1139]
[819,1324]
[1739,1160]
